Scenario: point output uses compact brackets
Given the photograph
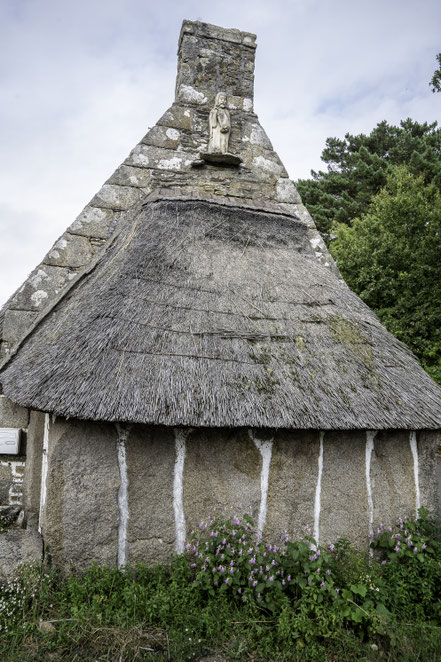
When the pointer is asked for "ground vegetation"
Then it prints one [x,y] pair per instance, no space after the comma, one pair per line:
[232,597]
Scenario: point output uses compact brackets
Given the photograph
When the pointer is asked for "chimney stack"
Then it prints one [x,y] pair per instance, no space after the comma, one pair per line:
[213,59]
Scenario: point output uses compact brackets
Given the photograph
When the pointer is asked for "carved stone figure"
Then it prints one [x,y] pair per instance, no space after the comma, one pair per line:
[220,125]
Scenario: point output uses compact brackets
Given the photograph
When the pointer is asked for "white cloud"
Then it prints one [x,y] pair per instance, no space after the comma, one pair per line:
[81,83]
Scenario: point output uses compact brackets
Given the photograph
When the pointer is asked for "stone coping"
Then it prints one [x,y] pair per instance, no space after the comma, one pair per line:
[210,31]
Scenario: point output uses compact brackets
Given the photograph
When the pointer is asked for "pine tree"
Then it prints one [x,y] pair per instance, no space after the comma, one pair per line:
[358,167]
[436,78]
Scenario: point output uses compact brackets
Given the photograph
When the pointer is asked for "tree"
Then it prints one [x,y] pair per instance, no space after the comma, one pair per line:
[358,167]
[390,256]
[436,78]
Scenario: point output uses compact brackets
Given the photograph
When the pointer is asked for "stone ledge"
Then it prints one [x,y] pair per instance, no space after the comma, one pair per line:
[93,222]
[45,282]
[116,197]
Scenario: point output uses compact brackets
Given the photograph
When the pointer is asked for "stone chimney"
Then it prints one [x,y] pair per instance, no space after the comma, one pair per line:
[213,59]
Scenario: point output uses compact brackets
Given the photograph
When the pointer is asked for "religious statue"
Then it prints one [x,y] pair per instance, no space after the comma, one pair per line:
[220,126]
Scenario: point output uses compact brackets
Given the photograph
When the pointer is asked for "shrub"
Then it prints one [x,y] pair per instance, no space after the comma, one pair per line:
[293,581]
[410,555]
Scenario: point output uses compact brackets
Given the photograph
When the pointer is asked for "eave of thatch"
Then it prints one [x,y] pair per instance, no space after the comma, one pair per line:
[200,314]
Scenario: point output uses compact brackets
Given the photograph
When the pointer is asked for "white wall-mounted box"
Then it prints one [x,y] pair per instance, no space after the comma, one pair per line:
[9,441]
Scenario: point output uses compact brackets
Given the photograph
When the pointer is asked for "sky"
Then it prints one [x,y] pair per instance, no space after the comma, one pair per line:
[81,82]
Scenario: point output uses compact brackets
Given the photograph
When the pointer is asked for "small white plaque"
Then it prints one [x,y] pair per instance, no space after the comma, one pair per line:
[9,441]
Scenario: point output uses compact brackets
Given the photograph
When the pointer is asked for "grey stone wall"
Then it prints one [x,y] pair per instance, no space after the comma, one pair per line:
[150,466]
[317,483]
[80,520]
[12,466]
[32,476]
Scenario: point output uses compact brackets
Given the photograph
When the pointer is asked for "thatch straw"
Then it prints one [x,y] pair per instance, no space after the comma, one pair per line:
[204,315]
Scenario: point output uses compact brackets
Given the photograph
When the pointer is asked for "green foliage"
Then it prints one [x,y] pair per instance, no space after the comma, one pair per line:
[227,559]
[333,603]
[436,78]
[411,554]
[358,167]
[390,257]
[294,582]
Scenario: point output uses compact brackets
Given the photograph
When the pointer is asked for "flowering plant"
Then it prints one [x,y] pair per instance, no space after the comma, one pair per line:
[407,538]
[226,556]
[409,553]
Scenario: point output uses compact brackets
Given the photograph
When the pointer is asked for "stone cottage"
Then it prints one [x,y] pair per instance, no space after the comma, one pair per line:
[189,343]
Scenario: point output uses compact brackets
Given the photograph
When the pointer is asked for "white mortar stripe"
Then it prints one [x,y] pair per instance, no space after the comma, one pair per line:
[414,449]
[123,494]
[318,493]
[266,450]
[178,488]
[44,467]
[370,436]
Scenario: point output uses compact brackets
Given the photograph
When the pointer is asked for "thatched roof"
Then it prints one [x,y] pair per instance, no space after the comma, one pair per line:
[201,314]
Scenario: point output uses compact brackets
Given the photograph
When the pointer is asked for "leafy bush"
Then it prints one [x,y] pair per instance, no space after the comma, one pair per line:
[294,581]
[389,256]
[410,554]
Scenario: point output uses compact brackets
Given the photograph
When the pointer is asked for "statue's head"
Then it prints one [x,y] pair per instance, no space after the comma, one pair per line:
[221,100]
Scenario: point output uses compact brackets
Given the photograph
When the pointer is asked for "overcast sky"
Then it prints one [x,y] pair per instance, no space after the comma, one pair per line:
[81,82]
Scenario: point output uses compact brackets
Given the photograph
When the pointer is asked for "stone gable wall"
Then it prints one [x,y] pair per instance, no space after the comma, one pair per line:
[210,59]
